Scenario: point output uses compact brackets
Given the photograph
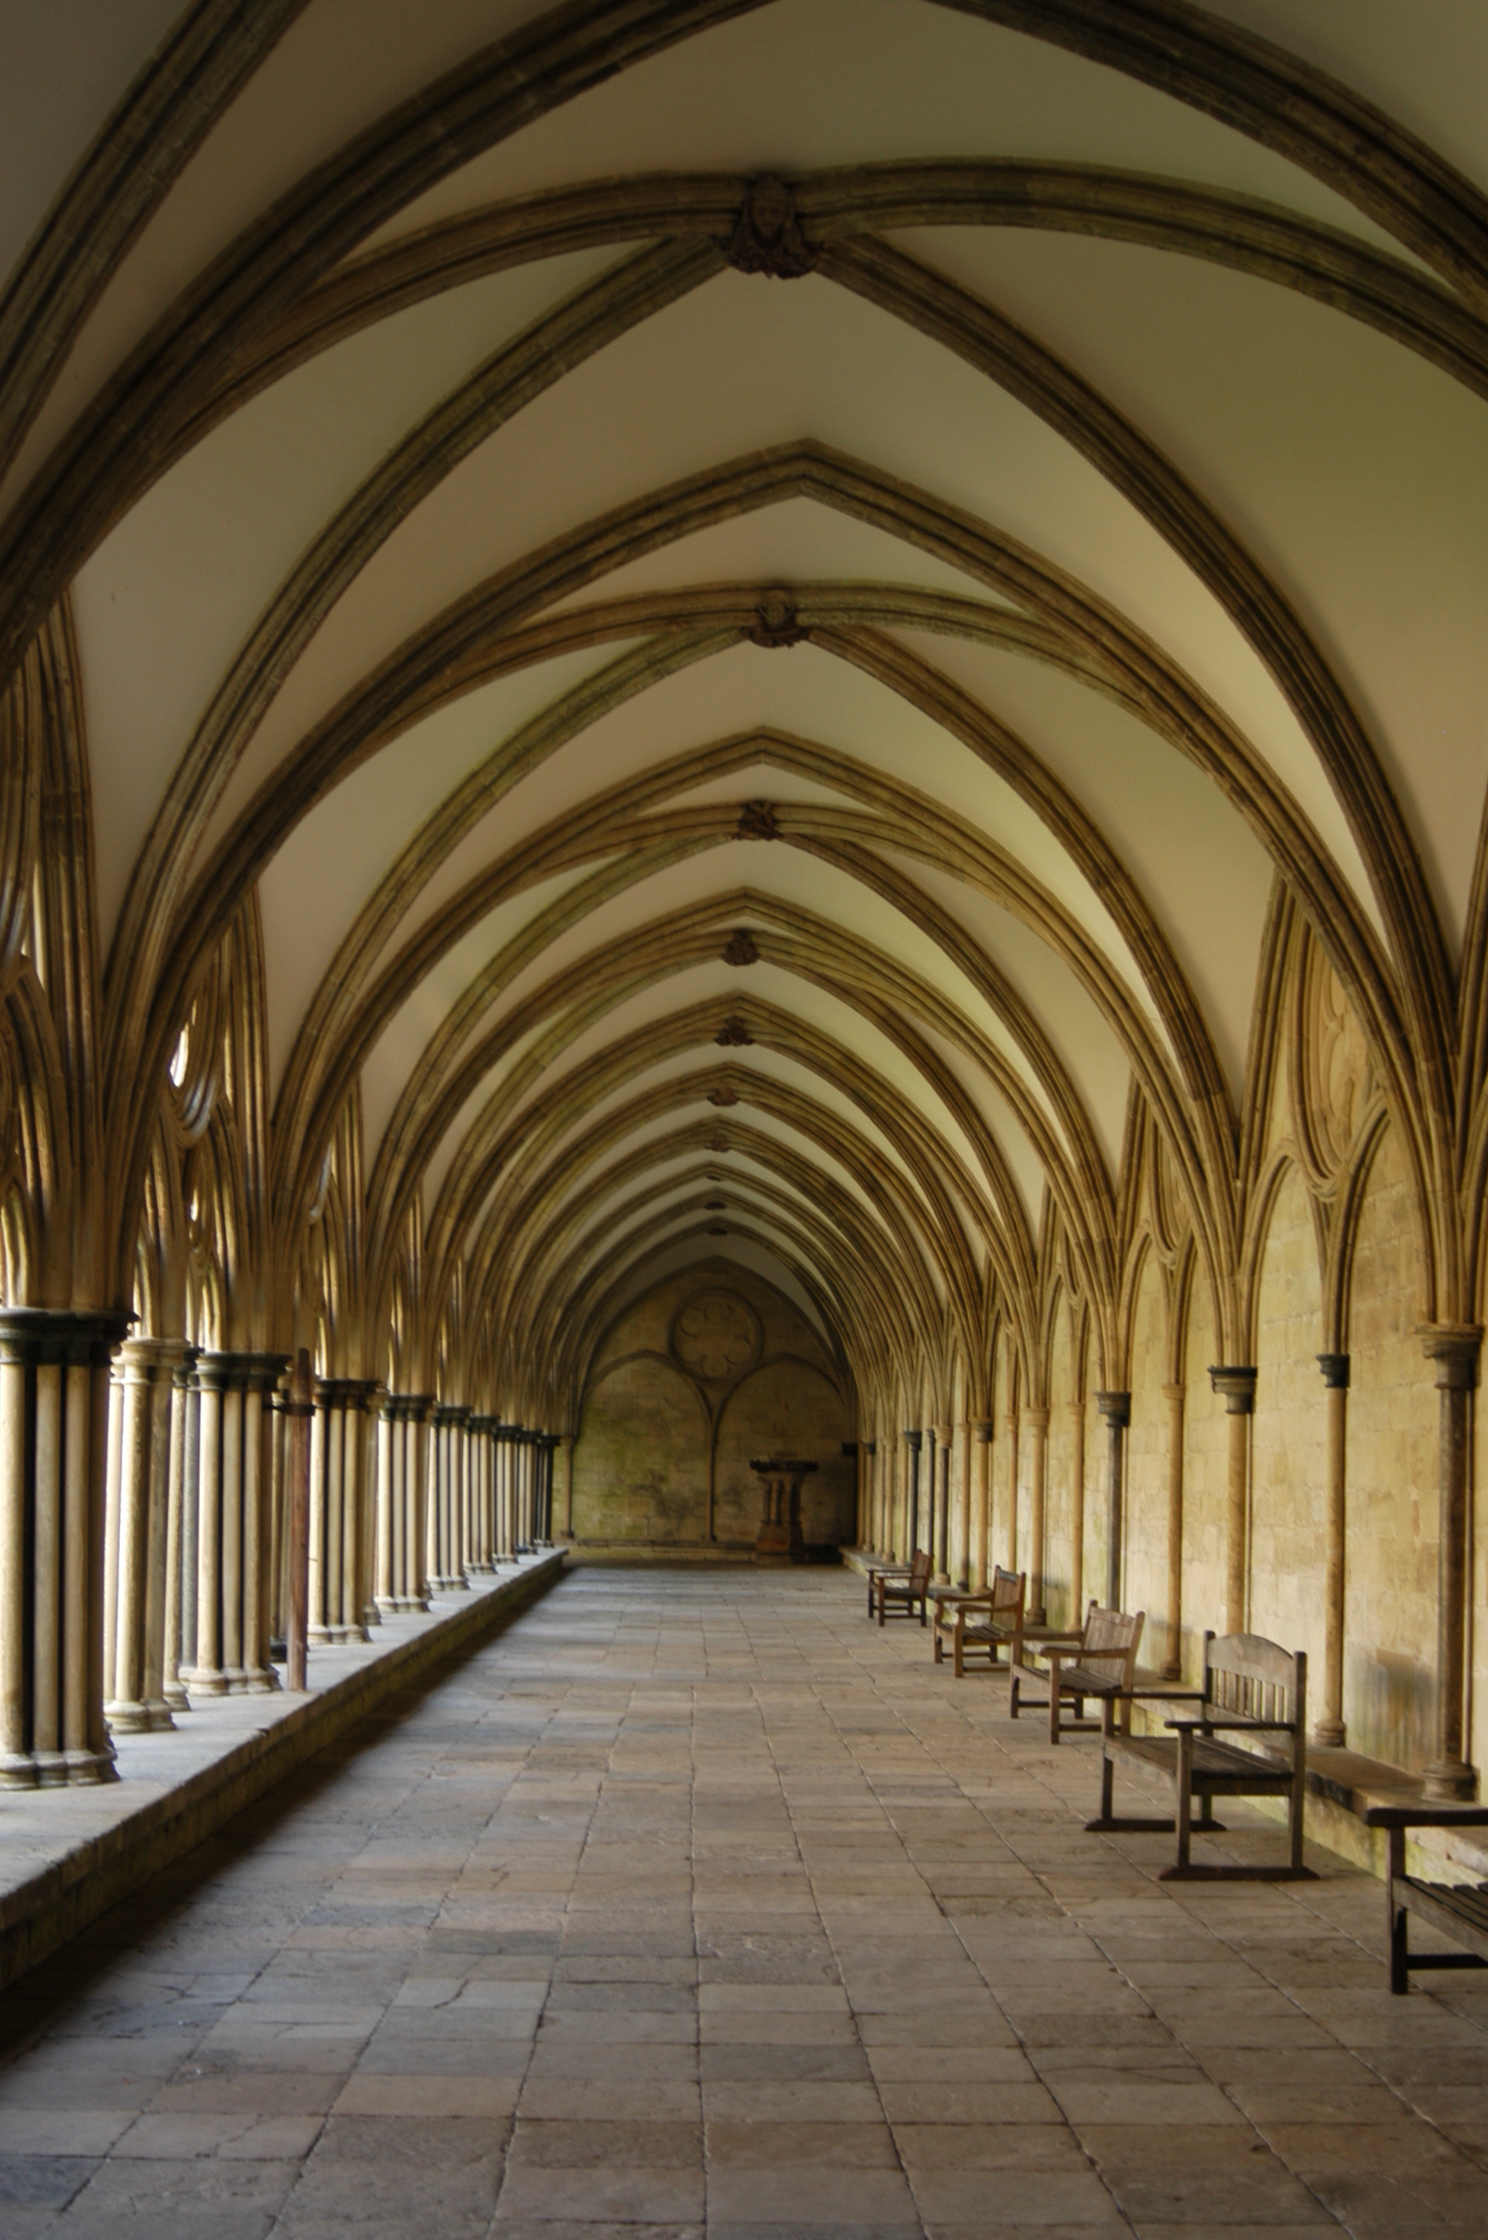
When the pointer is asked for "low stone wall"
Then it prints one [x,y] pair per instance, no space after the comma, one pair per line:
[67,1855]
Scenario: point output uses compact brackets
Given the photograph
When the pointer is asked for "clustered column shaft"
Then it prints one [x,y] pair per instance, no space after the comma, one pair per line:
[227,1651]
[136,1533]
[401,1442]
[54,1370]
[340,1581]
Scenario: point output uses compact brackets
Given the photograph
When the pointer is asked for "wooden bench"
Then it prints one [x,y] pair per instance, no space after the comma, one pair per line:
[1099,1661]
[1459,1909]
[1253,1691]
[980,1626]
[886,1591]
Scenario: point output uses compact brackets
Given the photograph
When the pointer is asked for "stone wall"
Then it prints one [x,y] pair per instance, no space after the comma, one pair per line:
[658,1430]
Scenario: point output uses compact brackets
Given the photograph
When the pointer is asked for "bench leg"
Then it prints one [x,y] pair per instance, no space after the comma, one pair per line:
[959,1658]
[1013,1696]
[1183,1802]
[939,1650]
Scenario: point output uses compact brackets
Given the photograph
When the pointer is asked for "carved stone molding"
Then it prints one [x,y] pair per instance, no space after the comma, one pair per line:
[757,818]
[767,234]
[775,624]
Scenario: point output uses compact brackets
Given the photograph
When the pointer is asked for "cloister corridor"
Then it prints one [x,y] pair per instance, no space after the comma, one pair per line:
[693,1901]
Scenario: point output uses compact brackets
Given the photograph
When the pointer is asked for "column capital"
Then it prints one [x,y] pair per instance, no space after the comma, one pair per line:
[945,1434]
[982,1428]
[850,1450]
[914,1440]
[240,1372]
[1116,1408]
[1236,1385]
[1037,1419]
[151,1360]
[1455,1348]
[868,1446]
[1175,1392]
[84,1338]
[566,1440]
[346,1392]
[452,1412]
[405,1407]
[1335,1368]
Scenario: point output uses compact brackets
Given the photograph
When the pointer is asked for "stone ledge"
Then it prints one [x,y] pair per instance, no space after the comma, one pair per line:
[67,1855]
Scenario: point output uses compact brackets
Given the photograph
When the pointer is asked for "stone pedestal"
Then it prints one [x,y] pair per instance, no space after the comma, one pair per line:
[779,1538]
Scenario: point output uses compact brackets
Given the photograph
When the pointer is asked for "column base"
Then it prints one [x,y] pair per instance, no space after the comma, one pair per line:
[138,1718]
[1329,1734]
[1449,1781]
[446,1585]
[73,1769]
[481,1570]
[401,1605]
[205,1682]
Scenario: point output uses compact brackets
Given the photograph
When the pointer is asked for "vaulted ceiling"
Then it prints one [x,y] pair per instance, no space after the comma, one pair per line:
[762,590]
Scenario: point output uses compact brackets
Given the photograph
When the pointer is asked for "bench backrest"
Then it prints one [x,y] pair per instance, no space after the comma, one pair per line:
[1008,1590]
[919,1570]
[1109,1645]
[1248,1677]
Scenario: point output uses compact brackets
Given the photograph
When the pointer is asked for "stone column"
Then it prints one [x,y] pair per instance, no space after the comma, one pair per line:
[1454,1348]
[1237,1385]
[504,1535]
[567,1444]
[1014,1467]
[912,1440]
[1175,1395]
[1115,1408]
[942,1462]
[417,1408]
[488,1492]
[279,1437]
[53,1446]
[525,1484]
[1037,1421]
[547,1441]
[400,1503]
[446,1572]
[1329,1729]
[1077,1513]
[338,1504]
[231,1648]
[134,1642]
[180,1531]
[963,1509]
[981,1503]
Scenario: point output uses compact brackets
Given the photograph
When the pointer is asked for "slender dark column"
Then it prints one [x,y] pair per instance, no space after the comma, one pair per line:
[1238,1386]
[1454,1348]
[1335,1367]
[1115,1409]
[912,1440]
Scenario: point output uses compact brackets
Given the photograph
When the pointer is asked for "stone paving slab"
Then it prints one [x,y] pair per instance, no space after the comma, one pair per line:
[694,1905]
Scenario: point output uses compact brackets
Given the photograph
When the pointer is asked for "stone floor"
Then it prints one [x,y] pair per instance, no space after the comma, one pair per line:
[695,1900]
